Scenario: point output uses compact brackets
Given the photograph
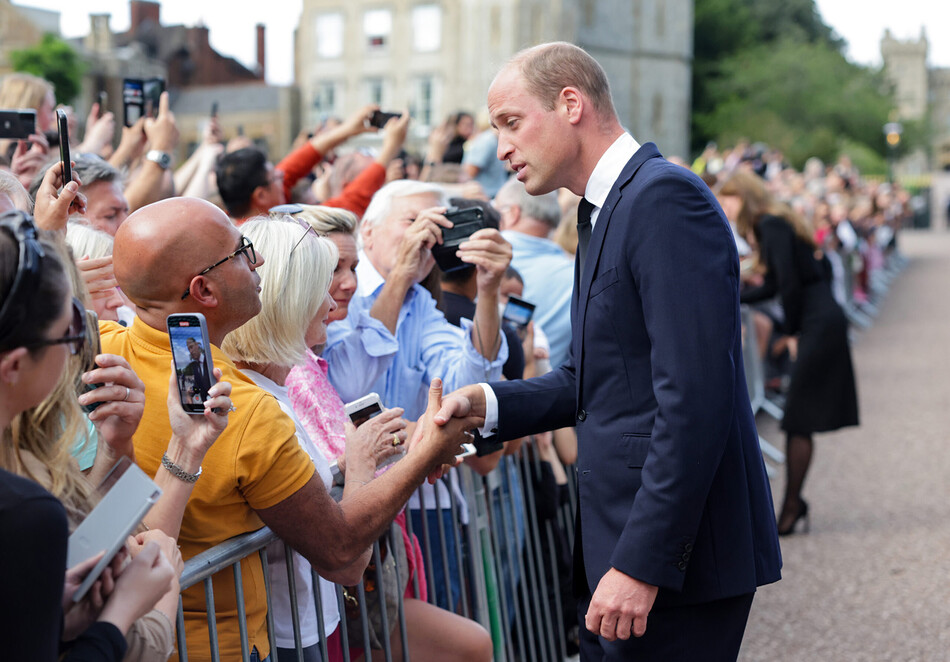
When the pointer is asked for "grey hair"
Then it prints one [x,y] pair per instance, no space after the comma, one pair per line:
[382,201]
[90,169]
[543,208]
[326,219]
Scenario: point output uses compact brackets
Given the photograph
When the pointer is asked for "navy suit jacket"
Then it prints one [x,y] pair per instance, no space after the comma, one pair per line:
[672,485]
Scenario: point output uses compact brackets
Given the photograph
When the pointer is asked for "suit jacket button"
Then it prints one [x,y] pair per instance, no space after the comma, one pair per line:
[682,566]
[688,547]
[581,415]
[685,556]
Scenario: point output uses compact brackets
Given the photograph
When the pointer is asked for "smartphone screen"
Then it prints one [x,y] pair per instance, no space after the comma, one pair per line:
[152,89]
[363,414]
[62,123]
[133,102]
[518,312]
[191,350]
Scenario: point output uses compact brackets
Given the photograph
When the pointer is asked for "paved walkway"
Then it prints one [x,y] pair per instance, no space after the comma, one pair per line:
[872,579]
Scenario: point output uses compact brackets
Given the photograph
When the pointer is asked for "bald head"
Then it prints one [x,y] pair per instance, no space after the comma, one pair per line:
[161,246]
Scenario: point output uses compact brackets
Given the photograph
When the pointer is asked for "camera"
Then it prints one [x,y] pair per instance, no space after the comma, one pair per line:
[465,222]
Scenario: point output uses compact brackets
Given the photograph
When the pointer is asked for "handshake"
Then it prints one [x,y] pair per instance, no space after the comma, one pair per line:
[447,422]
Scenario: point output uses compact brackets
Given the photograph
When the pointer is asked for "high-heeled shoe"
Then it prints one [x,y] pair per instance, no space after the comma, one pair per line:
[802,516]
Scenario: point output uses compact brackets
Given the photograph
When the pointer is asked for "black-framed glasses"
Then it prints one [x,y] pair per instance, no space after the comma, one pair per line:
[75,336]
[246,247]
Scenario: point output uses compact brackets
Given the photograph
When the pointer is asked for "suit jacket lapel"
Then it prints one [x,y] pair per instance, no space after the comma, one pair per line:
[582,282]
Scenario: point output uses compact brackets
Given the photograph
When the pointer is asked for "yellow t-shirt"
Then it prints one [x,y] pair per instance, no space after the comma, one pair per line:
[255,464]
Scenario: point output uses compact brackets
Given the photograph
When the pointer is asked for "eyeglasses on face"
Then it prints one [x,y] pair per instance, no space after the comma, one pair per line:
[246,247]
[75,336]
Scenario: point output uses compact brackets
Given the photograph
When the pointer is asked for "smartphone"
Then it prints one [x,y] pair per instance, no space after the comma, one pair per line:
[468,451]
[214,109]
[191,350]
[363,409]
[379,118]
[62,123]
[140,98]
[112,521]
[103,102]
[90,350]
[465,222]
[17,124]
[518,312]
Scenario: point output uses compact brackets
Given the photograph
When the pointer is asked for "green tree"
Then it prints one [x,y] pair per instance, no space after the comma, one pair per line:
[56,61]
[775,72]
[803,98]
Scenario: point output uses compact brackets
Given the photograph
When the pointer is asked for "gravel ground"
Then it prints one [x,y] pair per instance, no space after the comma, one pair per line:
[871,579]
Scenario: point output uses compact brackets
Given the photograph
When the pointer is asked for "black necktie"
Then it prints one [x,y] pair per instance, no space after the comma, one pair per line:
[584,209]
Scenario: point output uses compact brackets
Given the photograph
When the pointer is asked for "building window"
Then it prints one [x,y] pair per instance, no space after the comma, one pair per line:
[324,100]
[377,26]
[330,35]
[422,106]
[426,28]
[374,91]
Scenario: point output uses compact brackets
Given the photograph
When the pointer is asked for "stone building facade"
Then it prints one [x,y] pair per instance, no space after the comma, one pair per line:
[922,93]
[436,57]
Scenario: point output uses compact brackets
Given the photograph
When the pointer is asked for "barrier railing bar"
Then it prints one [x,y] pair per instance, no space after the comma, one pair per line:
[364,620]
[531,555]
[510,519]
[381,594]
[427,548]
[180,631]
[212,624]
[416,589]
[294,607]
[558,606]
[271,630]
[507,611]
[395,537]
[463,580]
[443,547]
[344,628]
[241,611]
[318,605]
[219,557]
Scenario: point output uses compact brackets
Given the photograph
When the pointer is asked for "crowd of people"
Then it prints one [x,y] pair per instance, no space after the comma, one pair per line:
[317,281]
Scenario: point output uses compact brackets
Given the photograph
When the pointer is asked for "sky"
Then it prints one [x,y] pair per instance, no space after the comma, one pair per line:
[860,22]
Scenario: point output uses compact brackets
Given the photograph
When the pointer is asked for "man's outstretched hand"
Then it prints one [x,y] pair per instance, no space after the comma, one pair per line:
[443,438]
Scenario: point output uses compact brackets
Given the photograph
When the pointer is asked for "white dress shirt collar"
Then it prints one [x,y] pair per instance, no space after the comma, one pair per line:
[608,169]
[368,279]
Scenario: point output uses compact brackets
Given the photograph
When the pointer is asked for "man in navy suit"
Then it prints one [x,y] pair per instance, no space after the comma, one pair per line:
[675,518]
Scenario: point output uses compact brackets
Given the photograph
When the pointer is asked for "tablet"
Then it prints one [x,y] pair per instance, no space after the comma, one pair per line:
[112,521]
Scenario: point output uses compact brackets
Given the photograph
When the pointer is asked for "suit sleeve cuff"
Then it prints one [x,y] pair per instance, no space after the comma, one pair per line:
[490,428]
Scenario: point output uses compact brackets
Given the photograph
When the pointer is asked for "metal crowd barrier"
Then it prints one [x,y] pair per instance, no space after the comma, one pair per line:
[508,568]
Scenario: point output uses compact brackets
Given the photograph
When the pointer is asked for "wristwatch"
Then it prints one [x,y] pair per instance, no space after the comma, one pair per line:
[163,159]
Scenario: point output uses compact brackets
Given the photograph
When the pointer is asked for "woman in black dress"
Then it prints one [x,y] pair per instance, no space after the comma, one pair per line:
[821,395]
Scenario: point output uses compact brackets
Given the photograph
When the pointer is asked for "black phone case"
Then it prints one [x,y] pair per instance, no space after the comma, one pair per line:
[466,222]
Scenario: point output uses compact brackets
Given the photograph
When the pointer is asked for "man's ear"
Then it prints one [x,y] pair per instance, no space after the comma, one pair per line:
[203,292]
[366,234]
[573,104]
[260,199]
[514,215]
[11,365]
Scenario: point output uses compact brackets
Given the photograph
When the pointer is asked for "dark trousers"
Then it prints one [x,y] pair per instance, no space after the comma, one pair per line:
[708,632]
